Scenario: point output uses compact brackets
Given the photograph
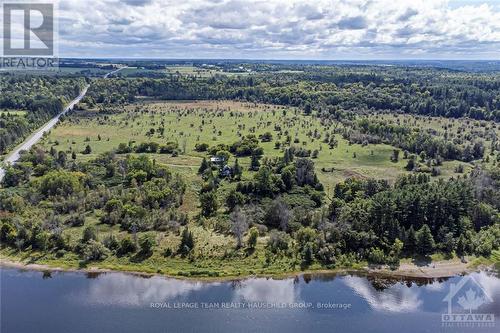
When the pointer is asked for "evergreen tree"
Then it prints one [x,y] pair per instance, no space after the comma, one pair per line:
[233,199]
[288,156]
[187,241]
[411,240]
[253,234]
[425,241]
[204,166]
[254,163]
[87,150]
[237,170]
[209,204]
[410,165]
[461,246]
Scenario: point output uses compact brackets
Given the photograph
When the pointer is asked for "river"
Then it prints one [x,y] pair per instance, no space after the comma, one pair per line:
[34,301]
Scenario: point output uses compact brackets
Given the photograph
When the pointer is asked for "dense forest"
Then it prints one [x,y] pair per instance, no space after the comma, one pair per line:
[329,89]
[41,97]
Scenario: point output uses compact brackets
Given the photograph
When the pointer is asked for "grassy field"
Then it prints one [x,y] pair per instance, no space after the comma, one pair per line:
[225,122]
[213,122]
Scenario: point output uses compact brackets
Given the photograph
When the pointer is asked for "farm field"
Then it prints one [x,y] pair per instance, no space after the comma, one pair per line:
[191,174]
[224,122]
[217,122]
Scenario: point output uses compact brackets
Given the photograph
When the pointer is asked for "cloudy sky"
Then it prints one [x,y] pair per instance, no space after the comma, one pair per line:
[281,29]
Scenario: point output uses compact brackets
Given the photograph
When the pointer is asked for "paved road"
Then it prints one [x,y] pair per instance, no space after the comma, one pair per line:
[113,72]
[35,137]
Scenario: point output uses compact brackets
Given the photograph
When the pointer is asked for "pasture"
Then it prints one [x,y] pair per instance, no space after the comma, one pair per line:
[189,123]
[224,122]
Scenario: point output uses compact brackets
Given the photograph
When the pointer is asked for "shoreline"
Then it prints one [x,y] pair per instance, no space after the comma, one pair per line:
[437,270]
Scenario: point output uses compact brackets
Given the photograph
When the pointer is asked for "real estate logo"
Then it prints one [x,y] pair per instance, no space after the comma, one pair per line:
[465,300]
[29,36]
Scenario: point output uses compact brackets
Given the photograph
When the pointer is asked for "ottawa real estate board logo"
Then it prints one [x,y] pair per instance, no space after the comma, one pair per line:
[465,301]
[28,36]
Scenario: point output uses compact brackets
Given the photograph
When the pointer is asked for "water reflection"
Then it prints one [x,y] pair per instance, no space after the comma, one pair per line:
[115,302]
[491,285]
[129,290]
[266,290]
[389,296]
[396,298]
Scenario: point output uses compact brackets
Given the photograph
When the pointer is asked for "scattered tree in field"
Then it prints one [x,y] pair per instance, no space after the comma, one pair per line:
[239,225]
[204,166]
[187,242]
[89,233]
[411,164]
[127,246]
[209,203]
[87,150]
[278,215]
[147,243]
[254,163]
[237,170]
[253,235]
[395,155]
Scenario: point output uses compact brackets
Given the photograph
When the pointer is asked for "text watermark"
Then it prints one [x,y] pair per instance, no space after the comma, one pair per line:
[29,36]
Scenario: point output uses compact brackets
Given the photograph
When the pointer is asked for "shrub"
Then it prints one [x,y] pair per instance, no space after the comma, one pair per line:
[147,243]
[127,246]
[201,147]
[266,137]
[76,220]
[94,250]
[60,183]
[111,242]
[89,233]
[376,256]
[169,148]
[278,241]
[123,148]
[253,235]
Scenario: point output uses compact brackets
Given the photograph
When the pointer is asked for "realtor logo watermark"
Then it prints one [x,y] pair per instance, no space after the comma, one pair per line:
[29,36]
[465,300]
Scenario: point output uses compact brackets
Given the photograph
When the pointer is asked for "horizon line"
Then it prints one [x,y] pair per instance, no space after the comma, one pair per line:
[283,59]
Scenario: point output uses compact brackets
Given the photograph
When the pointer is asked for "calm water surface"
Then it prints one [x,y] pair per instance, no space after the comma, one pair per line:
[115,302]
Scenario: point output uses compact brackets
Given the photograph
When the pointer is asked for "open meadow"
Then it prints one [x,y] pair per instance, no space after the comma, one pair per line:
[189,123]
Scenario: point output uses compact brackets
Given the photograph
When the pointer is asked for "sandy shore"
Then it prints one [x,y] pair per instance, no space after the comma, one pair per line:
[438,269]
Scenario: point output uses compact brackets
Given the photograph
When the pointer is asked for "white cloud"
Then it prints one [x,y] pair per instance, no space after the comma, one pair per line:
[129,290]
[266,290]
[396,298]
[280,28]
